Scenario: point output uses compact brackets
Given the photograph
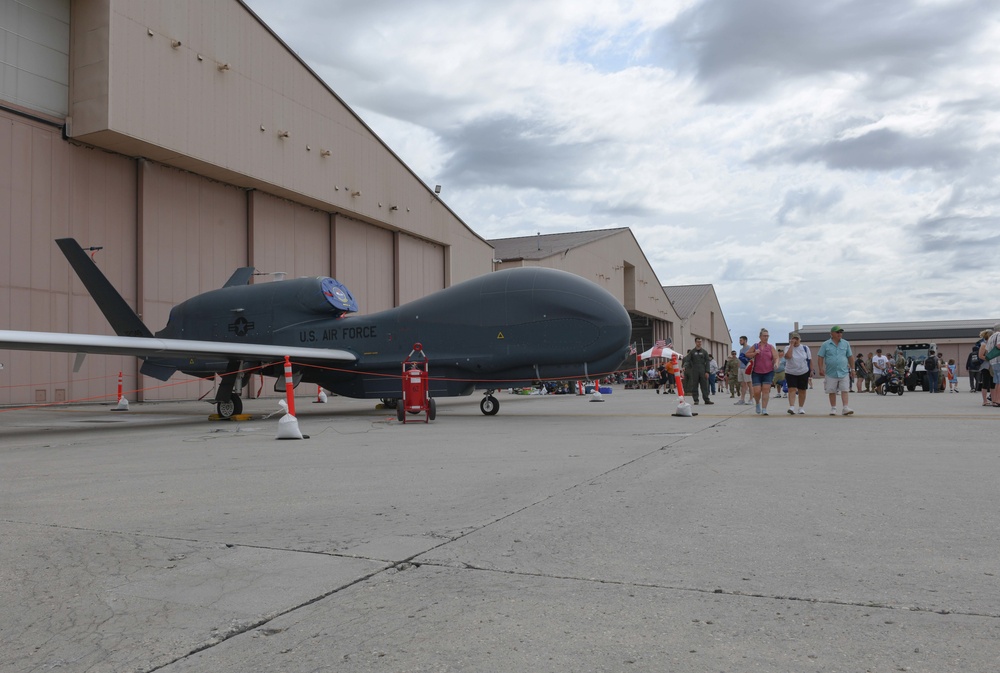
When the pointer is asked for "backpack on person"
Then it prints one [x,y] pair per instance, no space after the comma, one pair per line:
[974,360]
[931,363]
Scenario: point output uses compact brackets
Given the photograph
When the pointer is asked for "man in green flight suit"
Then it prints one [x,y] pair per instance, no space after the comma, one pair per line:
[696,365]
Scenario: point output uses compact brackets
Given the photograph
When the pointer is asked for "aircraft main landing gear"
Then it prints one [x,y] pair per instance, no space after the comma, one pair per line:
[228,402]
[229,408]
[489,405]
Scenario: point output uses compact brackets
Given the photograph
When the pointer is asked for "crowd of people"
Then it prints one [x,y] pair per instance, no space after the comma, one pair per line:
[753,370]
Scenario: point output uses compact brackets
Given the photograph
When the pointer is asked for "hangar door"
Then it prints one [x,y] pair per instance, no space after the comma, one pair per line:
[421,268]
[365,263]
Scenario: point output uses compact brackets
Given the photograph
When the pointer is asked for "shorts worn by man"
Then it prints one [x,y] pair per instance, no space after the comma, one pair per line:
[836,364]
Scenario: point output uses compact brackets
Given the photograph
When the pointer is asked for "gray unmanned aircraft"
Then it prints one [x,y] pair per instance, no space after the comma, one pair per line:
[503,329]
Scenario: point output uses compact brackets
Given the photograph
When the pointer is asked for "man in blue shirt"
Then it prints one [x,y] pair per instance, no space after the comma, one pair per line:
[836,364]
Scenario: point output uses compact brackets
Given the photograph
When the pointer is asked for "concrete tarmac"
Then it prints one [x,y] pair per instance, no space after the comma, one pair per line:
[560,535]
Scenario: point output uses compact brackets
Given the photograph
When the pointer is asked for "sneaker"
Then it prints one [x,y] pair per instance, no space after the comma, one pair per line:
[739,402]
[696,401]
[763,412]
[833,411]
[709,402]
[791,411]
[848,411]
[758,407]
[801,412]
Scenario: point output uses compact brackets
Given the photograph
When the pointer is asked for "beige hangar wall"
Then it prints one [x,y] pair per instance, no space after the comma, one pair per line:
[206,87]
[51,189]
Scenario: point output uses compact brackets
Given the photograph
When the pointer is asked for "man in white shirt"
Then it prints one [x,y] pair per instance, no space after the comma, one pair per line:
[880,367]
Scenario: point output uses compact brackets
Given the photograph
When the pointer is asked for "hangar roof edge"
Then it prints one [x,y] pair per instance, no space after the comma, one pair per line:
[541,246]
[901,331]
[361,121]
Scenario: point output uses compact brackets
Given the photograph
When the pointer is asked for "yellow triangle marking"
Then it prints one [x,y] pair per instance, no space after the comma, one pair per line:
[500,335]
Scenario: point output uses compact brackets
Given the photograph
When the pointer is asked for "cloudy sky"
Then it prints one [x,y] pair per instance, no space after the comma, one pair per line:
[818,162]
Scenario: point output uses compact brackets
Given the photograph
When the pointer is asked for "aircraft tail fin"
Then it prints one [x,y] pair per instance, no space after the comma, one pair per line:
[123,319]
[241,276]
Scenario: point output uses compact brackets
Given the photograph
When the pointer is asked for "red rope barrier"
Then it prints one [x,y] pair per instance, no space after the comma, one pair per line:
[595,375]
[211,378]
[118,395]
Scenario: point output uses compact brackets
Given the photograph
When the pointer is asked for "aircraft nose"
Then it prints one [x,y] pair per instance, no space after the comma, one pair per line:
[607,315]
[617,329]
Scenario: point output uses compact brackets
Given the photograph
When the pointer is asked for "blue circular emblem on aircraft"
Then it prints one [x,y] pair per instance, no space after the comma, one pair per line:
[339,296]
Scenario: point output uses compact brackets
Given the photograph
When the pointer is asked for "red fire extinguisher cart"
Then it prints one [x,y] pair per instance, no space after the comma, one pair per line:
[416,395]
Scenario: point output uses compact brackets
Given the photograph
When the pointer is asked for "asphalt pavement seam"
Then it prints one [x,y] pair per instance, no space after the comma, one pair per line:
[719,592]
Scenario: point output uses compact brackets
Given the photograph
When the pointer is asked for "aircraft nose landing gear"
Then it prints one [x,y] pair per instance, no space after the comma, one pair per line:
[489,405]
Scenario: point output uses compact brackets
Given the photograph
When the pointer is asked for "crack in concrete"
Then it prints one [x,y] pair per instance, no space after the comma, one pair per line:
[723,592]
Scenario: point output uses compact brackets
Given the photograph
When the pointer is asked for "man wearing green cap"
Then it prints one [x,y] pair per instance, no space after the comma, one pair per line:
[836,364]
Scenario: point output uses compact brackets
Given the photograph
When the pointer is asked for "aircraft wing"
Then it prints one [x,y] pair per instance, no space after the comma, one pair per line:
[151,346]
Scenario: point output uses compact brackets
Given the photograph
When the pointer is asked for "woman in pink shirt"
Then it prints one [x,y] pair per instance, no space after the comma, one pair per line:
[764,357]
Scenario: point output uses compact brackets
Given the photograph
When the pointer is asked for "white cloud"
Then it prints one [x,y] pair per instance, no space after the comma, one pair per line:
[818,162]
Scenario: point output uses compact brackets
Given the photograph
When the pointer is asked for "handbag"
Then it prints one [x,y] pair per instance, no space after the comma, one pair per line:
[994,353]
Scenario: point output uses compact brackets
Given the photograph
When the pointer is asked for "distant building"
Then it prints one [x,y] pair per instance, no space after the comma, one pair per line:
[613,259]
[954,338]
[700,315]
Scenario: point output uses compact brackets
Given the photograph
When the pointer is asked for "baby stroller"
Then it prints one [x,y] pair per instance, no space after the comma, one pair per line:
[893,384]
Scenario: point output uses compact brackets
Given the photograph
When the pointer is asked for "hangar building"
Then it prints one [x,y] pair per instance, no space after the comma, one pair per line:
[186,139]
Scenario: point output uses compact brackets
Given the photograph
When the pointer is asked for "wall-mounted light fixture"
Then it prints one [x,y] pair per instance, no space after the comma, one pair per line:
[324,153]
[223,67]
[393,207]
[356,193]
[149,31]
[262,129]
[175,43]
[282,134]
[308,148]
[437,189]
[200,57]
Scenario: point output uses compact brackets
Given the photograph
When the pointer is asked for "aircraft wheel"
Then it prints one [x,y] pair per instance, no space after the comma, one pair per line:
[400,412]
[229,408]
[431,409]
[489,405]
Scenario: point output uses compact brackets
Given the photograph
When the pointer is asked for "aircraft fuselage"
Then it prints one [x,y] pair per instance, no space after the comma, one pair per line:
[506,328]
